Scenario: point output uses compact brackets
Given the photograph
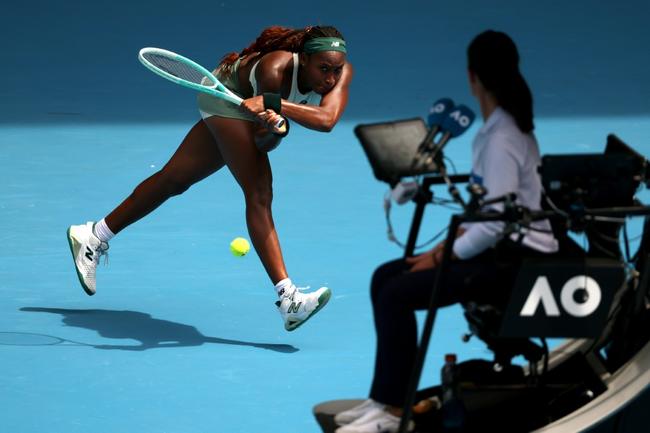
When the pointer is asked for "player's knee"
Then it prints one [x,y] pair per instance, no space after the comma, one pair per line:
[173,184]
[259,196]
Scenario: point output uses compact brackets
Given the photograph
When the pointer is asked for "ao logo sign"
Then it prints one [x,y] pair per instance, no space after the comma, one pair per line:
[542,294]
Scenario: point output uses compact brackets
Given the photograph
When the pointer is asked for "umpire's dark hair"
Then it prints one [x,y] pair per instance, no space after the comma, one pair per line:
[493,57]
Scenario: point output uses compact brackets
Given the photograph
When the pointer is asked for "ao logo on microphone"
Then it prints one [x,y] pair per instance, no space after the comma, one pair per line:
[580,297]
[462,119]
[438,108]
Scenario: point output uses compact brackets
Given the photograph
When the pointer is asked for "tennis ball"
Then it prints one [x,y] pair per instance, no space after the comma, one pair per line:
[239,247]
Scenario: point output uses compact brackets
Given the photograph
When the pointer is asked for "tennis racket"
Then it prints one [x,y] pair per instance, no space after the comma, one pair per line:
[190,74]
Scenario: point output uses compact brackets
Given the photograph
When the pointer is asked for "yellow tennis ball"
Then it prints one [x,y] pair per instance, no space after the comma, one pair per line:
[239,247]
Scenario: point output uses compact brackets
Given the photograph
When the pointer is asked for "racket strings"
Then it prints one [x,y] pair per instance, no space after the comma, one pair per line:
[178,69]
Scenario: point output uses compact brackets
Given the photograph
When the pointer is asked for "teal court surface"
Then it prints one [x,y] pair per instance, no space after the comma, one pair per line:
[181,336]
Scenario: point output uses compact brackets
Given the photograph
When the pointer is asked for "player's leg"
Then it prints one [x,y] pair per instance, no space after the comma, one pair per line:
[252,170]
[196,158]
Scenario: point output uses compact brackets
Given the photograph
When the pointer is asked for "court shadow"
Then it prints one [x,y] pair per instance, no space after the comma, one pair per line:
[150,332]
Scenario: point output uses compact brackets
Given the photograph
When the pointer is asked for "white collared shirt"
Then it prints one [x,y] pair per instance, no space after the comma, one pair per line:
[505,160]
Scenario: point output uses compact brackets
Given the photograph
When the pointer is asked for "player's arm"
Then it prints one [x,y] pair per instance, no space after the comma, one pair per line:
[327,114]
[269,75]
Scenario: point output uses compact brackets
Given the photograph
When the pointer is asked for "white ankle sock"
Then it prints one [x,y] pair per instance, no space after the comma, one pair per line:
[101,230]
[282,286]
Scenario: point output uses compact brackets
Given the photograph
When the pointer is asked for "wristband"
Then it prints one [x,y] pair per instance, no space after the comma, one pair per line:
[272,101]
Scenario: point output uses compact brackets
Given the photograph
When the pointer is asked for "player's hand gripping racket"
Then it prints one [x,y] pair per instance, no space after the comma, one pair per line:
[188,73]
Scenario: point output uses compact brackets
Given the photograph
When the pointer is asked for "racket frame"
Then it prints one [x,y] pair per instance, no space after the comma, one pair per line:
[217,89]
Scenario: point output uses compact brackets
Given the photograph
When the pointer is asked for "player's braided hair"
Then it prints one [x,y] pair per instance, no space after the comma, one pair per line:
[276,38]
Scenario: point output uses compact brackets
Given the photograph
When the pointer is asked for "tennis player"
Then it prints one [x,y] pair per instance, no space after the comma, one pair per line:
[300,74]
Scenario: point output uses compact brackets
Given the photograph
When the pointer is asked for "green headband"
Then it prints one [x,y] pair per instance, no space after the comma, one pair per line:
[324,44]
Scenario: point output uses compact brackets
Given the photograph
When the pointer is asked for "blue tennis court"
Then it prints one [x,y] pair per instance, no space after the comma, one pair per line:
[182,336]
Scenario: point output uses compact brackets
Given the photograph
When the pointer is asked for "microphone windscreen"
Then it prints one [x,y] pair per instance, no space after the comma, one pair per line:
[438,111]
[458,120]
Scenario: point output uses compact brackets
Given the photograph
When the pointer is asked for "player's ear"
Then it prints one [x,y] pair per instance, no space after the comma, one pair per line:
[303,59]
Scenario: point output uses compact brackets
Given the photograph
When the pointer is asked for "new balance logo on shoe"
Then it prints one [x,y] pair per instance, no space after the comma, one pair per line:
[89,253]
[296,308]
[293,308]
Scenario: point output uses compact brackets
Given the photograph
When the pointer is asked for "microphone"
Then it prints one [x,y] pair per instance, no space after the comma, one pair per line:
[454,124]
[437,113]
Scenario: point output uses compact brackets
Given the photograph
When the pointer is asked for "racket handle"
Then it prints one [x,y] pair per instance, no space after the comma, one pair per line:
[281,128]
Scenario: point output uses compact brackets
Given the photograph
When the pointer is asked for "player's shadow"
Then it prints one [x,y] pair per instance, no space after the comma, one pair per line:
[151,333]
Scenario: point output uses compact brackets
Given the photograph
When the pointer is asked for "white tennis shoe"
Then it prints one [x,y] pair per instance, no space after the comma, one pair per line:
[356,412]
[86,250]
[374,421]
[296,307]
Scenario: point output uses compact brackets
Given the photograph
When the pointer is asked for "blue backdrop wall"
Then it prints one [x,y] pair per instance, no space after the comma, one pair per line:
[76,60]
